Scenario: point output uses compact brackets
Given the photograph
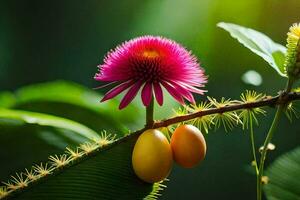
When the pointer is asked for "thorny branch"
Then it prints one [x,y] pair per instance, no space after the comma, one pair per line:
[283,98]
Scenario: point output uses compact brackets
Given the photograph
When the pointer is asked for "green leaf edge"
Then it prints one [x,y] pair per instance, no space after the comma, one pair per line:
[79,96]
[47,120]
[280,47]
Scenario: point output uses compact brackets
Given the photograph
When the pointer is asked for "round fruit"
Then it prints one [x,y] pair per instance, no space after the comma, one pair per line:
[152,156]
[188,146]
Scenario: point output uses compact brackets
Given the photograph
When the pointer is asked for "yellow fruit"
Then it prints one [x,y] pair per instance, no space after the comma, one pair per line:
[152,156]
[188,146]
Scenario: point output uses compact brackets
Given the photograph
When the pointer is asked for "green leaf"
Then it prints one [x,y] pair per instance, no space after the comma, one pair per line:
[75,102]
[30,137]
[7,99]
[45,120]
[105,173]
[260,44]
[284,176]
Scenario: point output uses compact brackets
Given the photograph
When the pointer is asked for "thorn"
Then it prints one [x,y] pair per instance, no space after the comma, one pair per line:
[3,192]
[104,139]
[30,174]
[74,154]
[88,147]
[59,161]
[42,170]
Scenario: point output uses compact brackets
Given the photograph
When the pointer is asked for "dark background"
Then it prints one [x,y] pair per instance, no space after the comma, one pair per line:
[49,40]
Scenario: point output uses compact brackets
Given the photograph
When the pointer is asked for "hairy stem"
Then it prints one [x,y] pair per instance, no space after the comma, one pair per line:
[149,114]
[268,101]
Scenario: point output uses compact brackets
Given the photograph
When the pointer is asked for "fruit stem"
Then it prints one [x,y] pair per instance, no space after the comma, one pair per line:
[149,114]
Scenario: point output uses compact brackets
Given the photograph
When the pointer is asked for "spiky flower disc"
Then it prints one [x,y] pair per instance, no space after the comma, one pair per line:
[150,63]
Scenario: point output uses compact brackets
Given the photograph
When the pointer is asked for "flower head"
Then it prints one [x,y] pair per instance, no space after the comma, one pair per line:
[292,61]
[150,63]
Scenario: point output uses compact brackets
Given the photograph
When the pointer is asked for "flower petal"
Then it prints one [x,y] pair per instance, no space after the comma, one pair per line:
[170,88]
[105,85]
[147,94]
[192,89]
[184,91]
[158,93]
[188,96]
[117,90]
[129,96]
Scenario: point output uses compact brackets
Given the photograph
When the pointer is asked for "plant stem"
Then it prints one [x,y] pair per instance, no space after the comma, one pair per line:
[149,114]
[254,153]
[265,149]
[253,144]
[289,85]
[270,134]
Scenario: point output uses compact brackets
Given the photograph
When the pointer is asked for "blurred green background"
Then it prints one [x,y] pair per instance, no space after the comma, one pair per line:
[48,40]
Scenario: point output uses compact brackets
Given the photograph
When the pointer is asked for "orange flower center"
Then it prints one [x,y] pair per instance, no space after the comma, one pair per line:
[150,53]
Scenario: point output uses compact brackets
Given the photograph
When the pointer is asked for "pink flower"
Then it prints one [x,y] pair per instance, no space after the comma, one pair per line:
[150,63]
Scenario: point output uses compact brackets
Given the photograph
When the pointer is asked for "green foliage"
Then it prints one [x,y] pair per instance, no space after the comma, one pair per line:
[30,137]
[260,44]
[7,99]
[98,170]
[284,176]
[75,102]
[22,117]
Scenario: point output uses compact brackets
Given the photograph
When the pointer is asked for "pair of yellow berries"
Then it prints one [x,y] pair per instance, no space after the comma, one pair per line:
[153,155]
